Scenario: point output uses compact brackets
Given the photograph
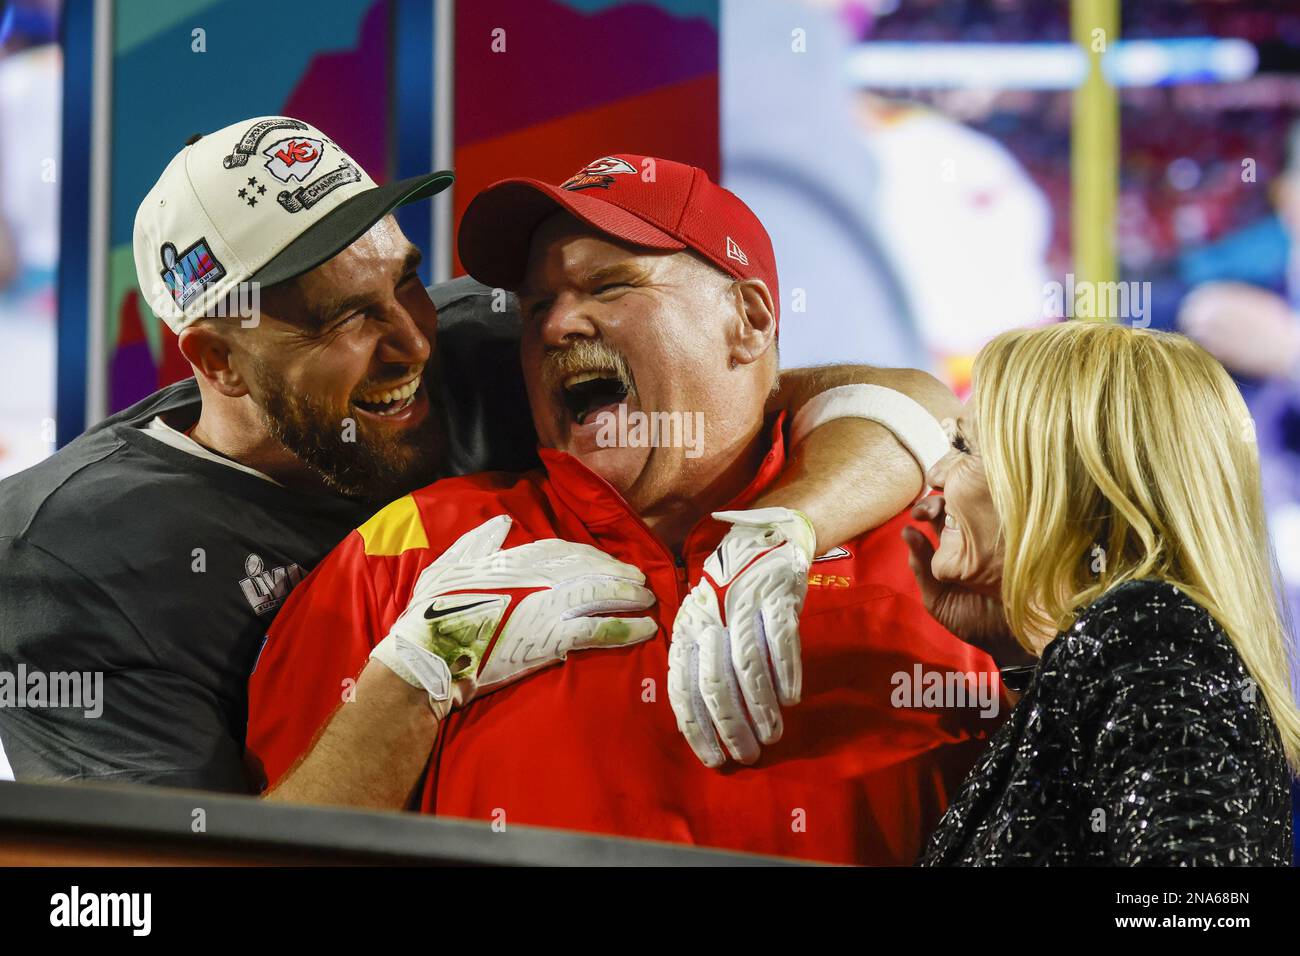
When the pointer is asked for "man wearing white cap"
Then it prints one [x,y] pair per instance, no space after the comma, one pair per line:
[151,554]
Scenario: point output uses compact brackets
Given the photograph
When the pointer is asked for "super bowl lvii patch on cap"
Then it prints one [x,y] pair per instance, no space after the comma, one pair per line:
[187,274]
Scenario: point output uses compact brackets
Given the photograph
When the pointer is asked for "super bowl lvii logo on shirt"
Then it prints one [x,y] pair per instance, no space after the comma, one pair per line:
[266,590]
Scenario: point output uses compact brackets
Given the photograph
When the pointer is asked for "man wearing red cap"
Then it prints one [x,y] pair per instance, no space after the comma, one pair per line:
[646,292]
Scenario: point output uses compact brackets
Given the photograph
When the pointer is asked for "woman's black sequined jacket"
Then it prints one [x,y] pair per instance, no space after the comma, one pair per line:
[1140,740]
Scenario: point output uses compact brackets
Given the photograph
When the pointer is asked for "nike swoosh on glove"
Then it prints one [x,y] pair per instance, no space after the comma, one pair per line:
[480,617]
[735,657]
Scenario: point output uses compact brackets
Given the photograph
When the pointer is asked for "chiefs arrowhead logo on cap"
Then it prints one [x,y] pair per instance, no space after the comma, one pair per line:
[293,158]
[598,175]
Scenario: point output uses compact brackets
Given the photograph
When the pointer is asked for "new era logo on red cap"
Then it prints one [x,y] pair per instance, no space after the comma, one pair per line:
[735,252]
[642,201]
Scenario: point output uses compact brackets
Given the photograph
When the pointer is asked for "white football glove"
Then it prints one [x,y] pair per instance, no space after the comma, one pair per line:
[480,617]
[736,630]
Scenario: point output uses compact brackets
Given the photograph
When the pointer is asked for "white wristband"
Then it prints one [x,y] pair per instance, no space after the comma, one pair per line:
[911,424]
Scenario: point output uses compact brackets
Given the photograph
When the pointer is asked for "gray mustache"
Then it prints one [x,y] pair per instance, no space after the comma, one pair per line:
[584,356]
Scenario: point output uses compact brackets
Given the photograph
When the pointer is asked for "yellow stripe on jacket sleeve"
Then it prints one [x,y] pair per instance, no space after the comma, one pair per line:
[394,529]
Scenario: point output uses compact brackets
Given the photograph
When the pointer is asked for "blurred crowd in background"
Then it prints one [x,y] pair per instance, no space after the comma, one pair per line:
[31,72]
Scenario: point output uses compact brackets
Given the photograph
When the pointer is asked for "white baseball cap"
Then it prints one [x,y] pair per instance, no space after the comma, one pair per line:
[262,200]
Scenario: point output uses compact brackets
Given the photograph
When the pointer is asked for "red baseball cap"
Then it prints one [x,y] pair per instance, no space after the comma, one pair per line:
[640,200]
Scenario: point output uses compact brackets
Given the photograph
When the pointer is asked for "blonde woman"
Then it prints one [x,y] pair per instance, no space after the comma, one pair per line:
[1100,518]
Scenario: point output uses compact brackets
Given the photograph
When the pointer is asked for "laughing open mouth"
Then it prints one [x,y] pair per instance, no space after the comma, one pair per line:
[586,393]
[389,401]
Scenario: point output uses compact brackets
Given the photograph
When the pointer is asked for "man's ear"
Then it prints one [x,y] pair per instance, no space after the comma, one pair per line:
[209,351]
[755,330]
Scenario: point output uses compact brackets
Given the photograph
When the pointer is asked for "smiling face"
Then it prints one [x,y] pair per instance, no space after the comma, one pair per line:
[970,545]
[338,364]
[606,325]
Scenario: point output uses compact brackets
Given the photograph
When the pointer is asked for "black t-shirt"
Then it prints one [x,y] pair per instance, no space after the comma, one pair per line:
[125,557]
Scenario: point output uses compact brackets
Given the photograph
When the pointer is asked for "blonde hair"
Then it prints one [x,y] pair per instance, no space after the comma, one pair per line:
[1094,434]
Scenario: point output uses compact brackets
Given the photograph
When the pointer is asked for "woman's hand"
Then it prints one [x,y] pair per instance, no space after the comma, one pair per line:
[973,615]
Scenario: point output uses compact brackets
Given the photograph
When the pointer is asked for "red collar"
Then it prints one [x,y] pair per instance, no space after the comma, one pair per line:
[590,496]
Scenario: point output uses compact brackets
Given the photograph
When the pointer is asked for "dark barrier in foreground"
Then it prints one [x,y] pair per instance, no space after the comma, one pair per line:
[101,825]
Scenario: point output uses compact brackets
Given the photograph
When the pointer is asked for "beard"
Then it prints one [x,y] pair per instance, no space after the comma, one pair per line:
[358,462]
